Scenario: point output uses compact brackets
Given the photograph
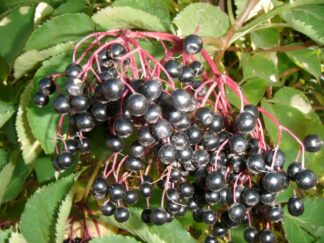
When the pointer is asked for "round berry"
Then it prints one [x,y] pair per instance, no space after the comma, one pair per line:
[192,44]
[74,86]
[84,145]
[123,127]
[250,234]
[238,143]
[306,179]
[181,99]
[46,86]
[275,213]
[295,206]
[215,181]
[134,164]
[186,189]
[146,215]
[108,209]
[121,214]
[162,129]
[173,68]
[152,89]
[188,74]
[40,99]
[204,116]
[167,154]
[137,150]
[153,113]
[266,236]
[245,122]
[137,104]
[273,182]
[293,169]
[117,192]
[85,122]
[73,70]
[61,105]
[197,67]
[112,89]
[312,143]
[131,197]
[114,143]
[252,109]
[80,103]
[158,216]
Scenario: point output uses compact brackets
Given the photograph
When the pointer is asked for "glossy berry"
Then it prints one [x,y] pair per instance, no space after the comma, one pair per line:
[145,136]
[210,141]
[108,209]
[236,212]
[121,214]
[212,197]
[117,192]
[167,154]
[217,124]
[123,127]
[71,146]
[61,105]
[137,150]
[131,197]
[137,104]
[238,143]
[219,230]
[100,188]
[293,169]
[187,74]
[162,129]
[275,213]
[146,189]
[153,113]
[192,44]
[173,68]
[180,140]
[146,215]
[250,197]
[295,206]
[152,89]
[210,239]
[181,99]
[64,160]
[158,216]
[186,189]
[209,217]
[133,163]
[116,50]
[250,234]
[200,158]
[85,122]
[255,163]
[195,134]
[46,86]
[204,116]
[273,182]
[306,179]
[74,86]
[278,161]
[185,154]
[114,143]
[84,145]
[266,236]
[215,181]
[113,89]
[312,143]
[80,103]
[73,70]
[245,122]
[267,198]
[40,99]
[252,109]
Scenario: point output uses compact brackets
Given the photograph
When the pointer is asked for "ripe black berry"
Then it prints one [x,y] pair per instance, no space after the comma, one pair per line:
[245,122]
[133,163]
[250,234]
[40,99]
[192,44]
[46,86]
[121,214]
[73,70]
[152,89]
[312,143]
[173,68]
[61,105]
[215,181]
[266,236]
[137,104]
[306,179]
[158,216]
[123,127]
[295,206]
[114,143]
[108,209]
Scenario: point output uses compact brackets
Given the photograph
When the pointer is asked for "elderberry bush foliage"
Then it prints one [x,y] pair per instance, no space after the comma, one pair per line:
[168,124]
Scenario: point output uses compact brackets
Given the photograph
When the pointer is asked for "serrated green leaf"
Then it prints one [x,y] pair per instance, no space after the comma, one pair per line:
[43,122]
[114,239]
[44,169]
[6,111]
[18,178]
[30,59]
[30,147]
[4,157]
[265,38]
[17,238]
[253,90]
[127,18]
[307,20]
[307,59]
[260,65]
[210,20]
[6,173]
[63,214]
[157,8]
[73,6]
[15,29]
[293,231]
[63,28]
[37,222]
[296,99]
[156,234]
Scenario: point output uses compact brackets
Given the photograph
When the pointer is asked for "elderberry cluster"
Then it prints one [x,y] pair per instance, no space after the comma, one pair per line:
[164,130]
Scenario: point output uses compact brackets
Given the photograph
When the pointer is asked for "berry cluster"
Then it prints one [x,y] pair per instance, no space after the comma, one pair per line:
[170,124]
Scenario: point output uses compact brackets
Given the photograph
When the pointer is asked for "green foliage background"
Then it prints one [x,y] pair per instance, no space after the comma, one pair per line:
[273,49]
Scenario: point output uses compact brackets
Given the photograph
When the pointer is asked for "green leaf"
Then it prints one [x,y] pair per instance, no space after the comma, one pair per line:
[30,147]
[43,122]
[307,20]
[17,238]
[73,6]
[44,169]
[64,212]
[307,59]
[30,59]
[156,234]
[260,65]
[63,28]
[4,156]
[157,8]
[6,112]
[253,90]
[3,69]
[300,229]
[237,234]
[18,178]
[295,98]
[210,20]
[240,6]
[127,18]
[39,217]
[265,38]
[114,239]
[6,173]
[15,29]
